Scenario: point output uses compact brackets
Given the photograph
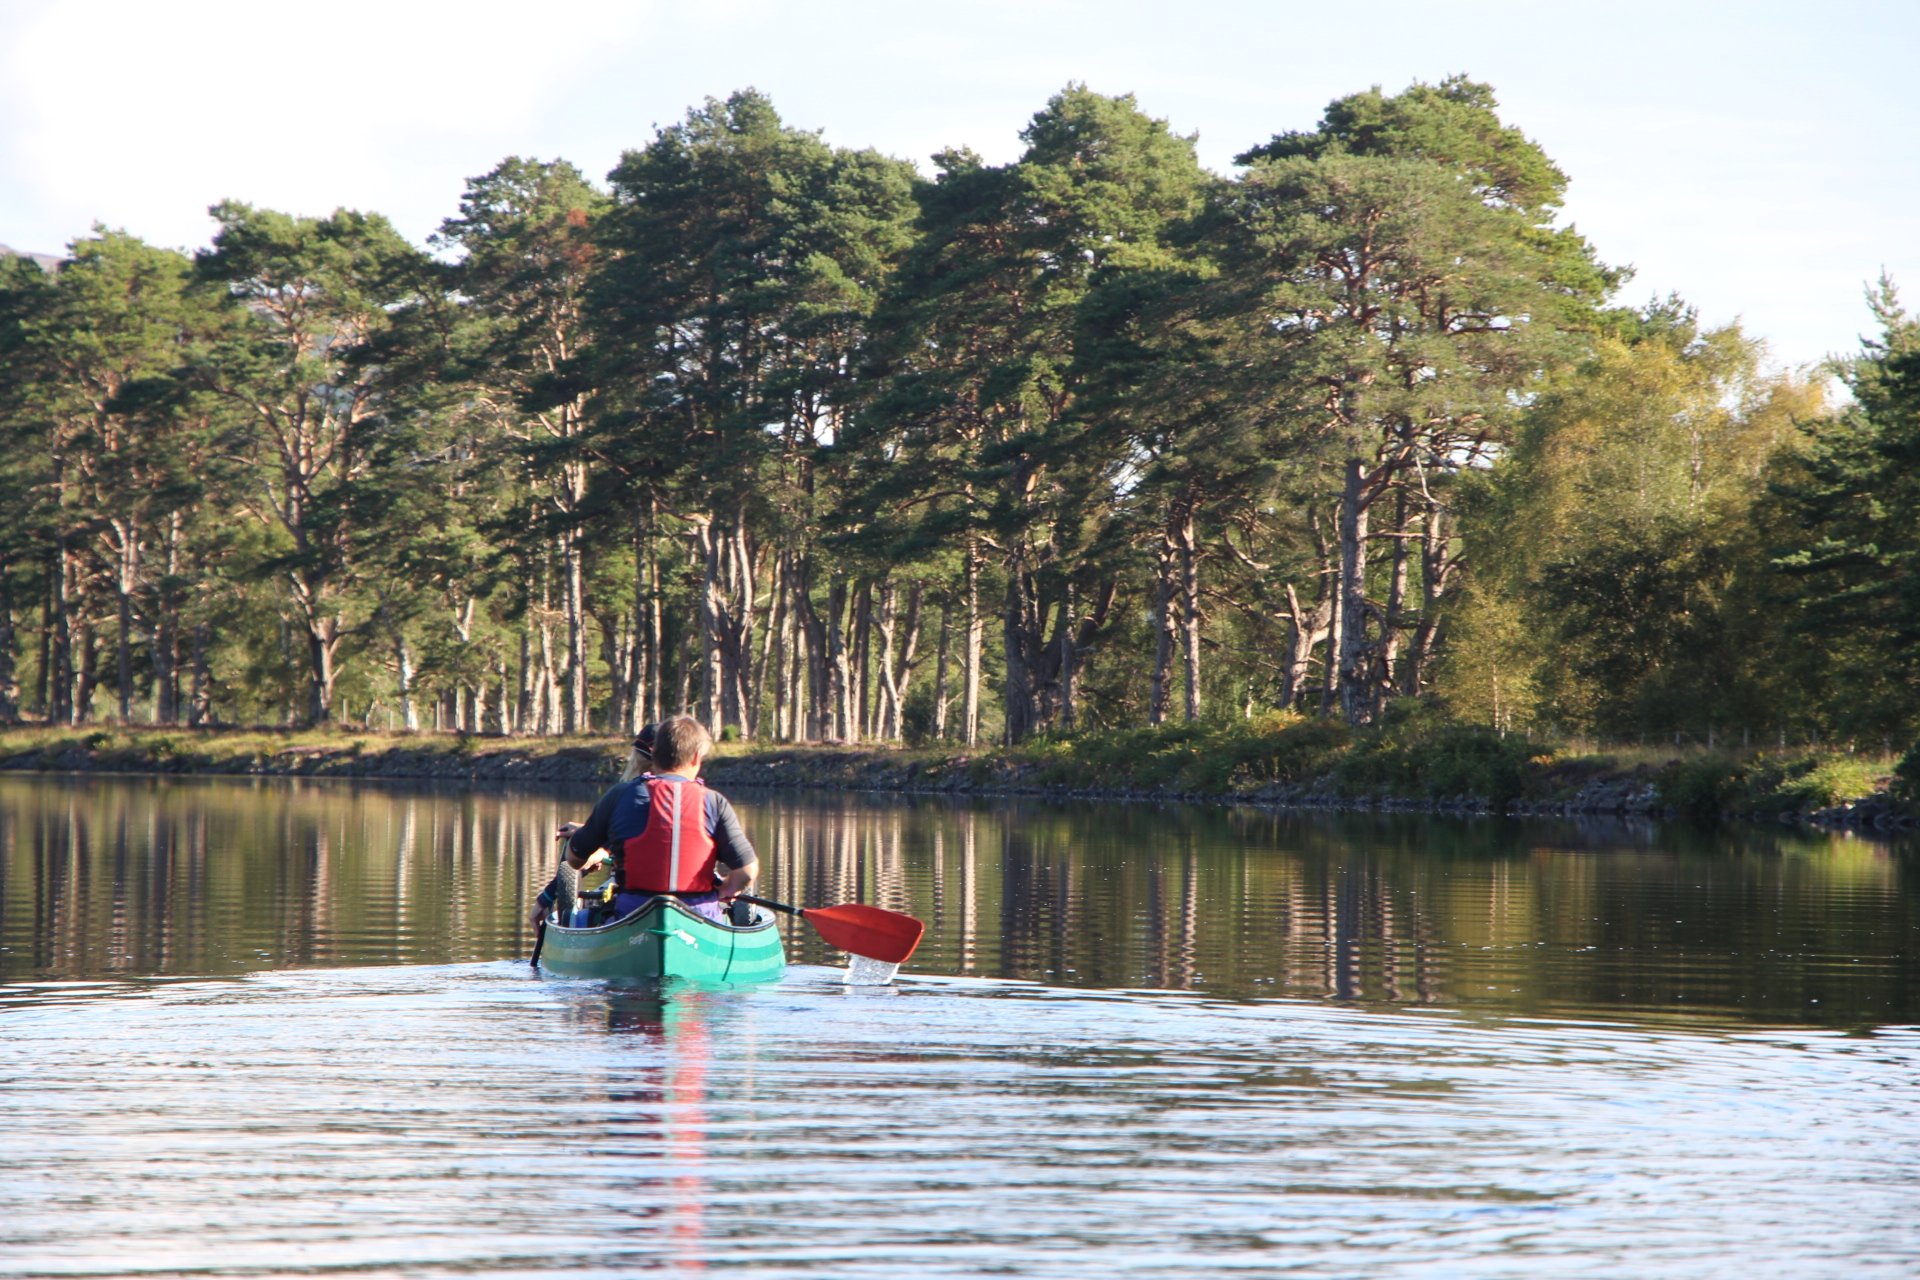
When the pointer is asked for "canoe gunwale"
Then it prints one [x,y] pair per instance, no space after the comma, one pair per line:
[667,939]
[768,921]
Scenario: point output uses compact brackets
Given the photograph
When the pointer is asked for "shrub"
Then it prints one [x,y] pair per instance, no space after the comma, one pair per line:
[1906,777]
[1797,784]
[1700,789]
[1293,750]
[1470,760]
[1411,755]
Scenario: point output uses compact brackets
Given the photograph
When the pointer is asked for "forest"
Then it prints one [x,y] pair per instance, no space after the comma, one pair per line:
[821,448]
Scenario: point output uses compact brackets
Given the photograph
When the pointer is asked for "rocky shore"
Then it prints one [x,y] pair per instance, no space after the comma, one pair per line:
[1634,793]
[1562,792]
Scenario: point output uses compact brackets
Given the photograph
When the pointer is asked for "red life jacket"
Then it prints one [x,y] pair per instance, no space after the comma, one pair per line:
[675,853]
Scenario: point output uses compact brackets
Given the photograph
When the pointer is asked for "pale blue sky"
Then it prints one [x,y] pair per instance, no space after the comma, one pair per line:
[1762,159]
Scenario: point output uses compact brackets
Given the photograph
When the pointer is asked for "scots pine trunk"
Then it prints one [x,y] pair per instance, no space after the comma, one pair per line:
[1393,618]
[814,648]
[861,660]
[1190,610]
[60,706]
[940,673]
[200,708]
[126,580]
[323,641]
[9,631]
[840,661]
[1064,643]
[87,676]
[1307,630]
[43,683]
[976,635]
[896,672]
[656,625]
[1355,664]
[403,682]
[503,721]
[725,559]
[165,633]
[1439,565]
[1160,697]
[639,660]
[573,703]
[546,689]
[790,683]
[767,661]
[1018,626]
[524,716]
[123,658]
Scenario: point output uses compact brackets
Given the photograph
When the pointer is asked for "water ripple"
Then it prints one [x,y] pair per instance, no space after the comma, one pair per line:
[470,1119]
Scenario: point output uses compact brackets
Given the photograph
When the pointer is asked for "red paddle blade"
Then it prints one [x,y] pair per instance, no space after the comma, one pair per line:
[867,931]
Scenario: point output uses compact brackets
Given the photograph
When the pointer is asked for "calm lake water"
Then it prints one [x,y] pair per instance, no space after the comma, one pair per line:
[282,1028]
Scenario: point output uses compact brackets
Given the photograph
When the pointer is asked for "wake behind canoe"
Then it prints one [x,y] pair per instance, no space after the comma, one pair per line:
[664,939]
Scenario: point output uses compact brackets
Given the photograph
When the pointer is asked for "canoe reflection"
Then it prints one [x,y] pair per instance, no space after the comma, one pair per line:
[662,1110]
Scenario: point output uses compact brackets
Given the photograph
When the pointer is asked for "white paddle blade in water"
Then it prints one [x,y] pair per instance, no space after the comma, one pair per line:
[865,971]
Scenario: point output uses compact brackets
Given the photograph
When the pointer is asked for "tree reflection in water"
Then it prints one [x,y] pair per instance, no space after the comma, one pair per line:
[135,877]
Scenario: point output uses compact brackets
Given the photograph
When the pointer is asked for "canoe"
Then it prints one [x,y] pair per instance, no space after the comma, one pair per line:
[665,939]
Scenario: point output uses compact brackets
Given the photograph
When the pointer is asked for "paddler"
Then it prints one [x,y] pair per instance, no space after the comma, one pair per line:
[668,832]
[639,759]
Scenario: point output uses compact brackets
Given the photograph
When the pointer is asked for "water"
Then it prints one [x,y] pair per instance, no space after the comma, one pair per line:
[284,1029]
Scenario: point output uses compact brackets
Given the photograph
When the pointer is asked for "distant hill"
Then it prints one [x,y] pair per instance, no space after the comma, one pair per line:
[48,261]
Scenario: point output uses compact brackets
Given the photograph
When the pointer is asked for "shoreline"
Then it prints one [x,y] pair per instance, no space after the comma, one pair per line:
[1580,787]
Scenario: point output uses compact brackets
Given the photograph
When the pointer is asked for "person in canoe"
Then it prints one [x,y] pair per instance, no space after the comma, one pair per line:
[639,760]
[667,831]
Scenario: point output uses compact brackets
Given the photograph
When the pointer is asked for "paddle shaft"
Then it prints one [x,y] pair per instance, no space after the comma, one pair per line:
[769,902]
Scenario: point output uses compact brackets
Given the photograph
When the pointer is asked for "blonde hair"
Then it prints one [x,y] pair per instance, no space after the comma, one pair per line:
[637,764]
[678,742]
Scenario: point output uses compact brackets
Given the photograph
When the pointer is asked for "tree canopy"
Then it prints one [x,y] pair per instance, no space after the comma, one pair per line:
[819,447]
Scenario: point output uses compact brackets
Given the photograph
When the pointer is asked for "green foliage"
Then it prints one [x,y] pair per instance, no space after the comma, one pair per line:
[1704,787]
[1849,525]
[733,432]
[1700,789]
[1622,581]
[1906,777]
[1806,783]
[1278,748]
[1407,759]
[1411,756]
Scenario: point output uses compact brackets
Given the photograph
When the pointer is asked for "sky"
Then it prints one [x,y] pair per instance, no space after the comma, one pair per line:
[1760,159]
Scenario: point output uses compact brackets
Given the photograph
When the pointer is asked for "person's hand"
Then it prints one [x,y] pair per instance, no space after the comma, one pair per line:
[567,829]
[599,858]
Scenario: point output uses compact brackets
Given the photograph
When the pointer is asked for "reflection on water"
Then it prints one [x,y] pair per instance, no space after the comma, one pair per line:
[474,1119]
[145,878]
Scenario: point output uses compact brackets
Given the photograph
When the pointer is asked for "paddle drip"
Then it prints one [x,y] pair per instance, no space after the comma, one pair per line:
[865,971]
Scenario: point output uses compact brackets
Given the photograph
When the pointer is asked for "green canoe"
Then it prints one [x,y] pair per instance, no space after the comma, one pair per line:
[664,939]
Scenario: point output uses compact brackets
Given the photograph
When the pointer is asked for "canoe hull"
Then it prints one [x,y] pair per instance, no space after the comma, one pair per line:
[666,940]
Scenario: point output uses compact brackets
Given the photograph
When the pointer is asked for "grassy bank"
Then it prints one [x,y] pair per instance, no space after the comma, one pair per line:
[1287,758]
[1278,760]
[306,752]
